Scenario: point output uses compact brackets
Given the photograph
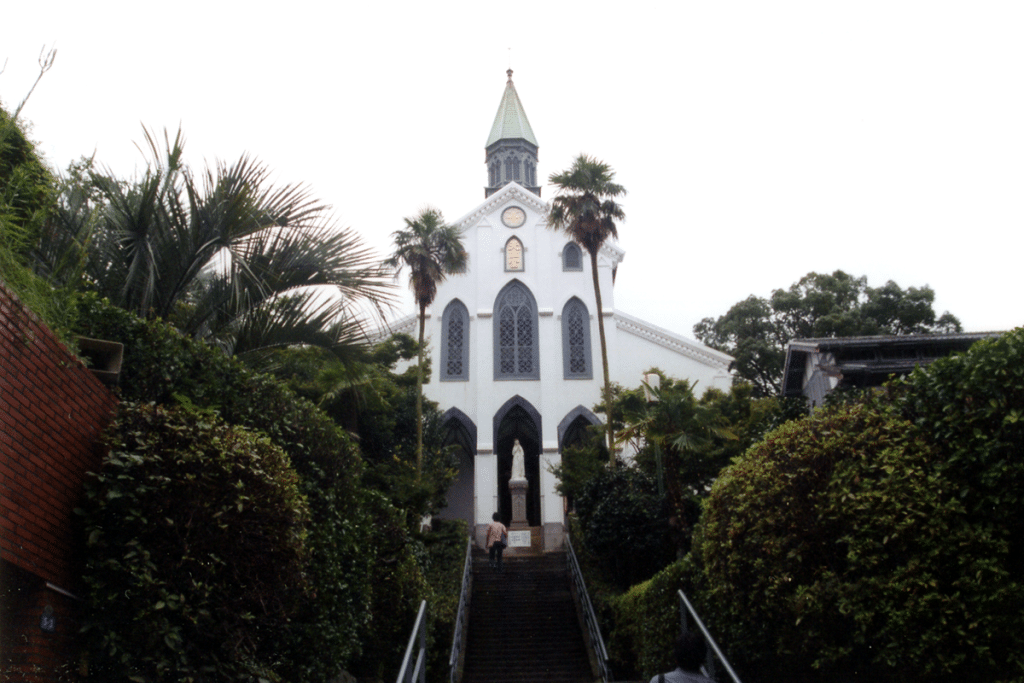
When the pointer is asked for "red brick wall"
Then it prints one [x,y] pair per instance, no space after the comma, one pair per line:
[52,410]
[31,654]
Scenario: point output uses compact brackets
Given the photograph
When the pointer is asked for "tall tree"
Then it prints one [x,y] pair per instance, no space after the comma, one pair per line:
[755,331]
[584,208]
[223,255]
[431,250]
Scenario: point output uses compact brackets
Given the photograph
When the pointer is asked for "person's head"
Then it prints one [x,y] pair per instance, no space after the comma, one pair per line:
[495,516]
[690,651]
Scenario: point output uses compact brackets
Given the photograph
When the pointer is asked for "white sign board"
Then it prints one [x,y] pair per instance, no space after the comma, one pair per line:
[519,539]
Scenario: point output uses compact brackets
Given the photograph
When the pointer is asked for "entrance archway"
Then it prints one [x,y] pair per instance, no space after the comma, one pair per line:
[517,419]
[460,433]
[572,432]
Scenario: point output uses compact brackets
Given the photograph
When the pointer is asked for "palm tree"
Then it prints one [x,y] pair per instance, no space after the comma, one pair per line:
[585,210]
[224,255]
[432,250]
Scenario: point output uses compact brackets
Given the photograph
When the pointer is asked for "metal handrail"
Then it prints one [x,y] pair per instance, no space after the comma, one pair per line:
[418,672]
[462,616]
[713,650]
[593,629]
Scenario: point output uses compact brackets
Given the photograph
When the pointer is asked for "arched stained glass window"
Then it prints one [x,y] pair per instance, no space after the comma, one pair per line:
[516,353]
[514,261]
[572,257]
[576,352]
[455,343]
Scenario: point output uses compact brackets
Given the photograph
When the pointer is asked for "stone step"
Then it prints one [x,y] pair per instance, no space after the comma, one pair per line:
[523,625]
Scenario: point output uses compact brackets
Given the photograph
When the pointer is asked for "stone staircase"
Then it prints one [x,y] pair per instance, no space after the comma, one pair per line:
[523,624]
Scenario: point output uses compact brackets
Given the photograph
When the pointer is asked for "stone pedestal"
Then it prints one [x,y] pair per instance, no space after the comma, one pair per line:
[518,489]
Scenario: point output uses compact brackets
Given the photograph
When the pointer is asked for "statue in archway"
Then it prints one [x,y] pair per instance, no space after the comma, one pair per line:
[518,464]
[517,487]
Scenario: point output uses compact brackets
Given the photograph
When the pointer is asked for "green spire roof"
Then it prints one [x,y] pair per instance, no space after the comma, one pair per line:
[510,121]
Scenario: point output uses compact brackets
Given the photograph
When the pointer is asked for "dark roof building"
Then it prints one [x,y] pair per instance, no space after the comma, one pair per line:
[816,367]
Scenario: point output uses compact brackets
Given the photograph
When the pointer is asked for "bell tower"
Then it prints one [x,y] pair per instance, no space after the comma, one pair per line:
[511,149]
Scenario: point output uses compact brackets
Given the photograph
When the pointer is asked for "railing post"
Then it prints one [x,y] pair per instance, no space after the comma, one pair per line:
[462,615]
[713,651]
[416,670]
[593,628]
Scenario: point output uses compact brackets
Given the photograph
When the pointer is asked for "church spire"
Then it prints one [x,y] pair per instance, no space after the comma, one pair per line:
[511,147]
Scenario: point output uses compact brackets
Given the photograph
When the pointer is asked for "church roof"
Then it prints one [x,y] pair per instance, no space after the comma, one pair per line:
[510,122]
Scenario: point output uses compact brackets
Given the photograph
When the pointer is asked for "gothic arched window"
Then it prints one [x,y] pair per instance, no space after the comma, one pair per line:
[576,352]
[514,261]
[515,334]
[508,169]
[572,257]
[516,166]
[455,343]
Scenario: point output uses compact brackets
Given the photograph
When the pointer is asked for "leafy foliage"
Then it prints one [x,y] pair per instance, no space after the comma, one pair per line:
[837,549]
[431,250]
[693,438]
[581,462]
[196,555]
[972,405]
[624,523]
[26,186]
[376,403]
[646,622]
[27,192]
[755,331]
[222,254]
[162,366]
[584,208]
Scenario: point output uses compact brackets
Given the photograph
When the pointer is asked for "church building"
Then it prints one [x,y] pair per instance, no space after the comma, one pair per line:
[514,345]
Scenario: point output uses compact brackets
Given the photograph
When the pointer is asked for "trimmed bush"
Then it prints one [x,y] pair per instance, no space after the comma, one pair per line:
[160,365]
[624,524]
[646,624]
[195,535]
[835,550]
[972,406]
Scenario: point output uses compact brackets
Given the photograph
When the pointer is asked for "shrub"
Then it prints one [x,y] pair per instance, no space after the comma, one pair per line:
[162,366]
[972,406]
[835,549]
[624,523]
[195,535]
[646,623]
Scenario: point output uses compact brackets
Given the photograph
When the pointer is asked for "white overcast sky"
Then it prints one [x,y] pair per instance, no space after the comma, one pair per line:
[758,140]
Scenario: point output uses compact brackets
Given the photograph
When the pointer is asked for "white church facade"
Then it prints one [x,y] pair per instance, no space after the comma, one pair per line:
[514,342]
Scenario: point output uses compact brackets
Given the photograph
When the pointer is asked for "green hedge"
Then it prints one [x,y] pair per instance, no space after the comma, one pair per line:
[836,550]
[195,549]
[646,623]
[352,530]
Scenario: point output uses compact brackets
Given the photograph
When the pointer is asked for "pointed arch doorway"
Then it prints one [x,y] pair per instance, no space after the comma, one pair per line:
[517,419]
[572,433]
[460,434]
